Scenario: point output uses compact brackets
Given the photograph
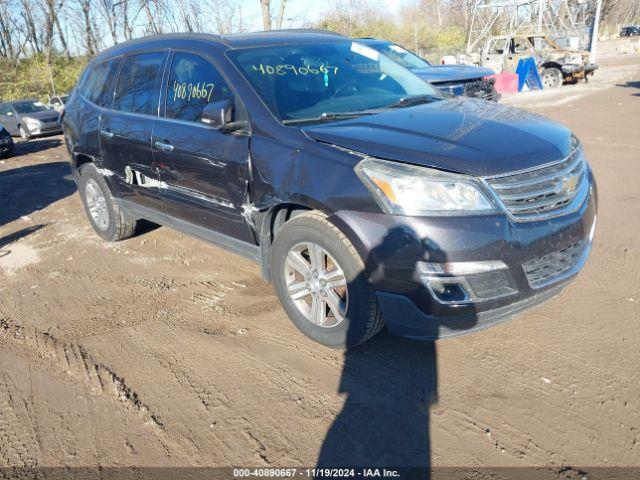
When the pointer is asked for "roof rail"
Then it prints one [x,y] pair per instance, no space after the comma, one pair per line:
[300,30]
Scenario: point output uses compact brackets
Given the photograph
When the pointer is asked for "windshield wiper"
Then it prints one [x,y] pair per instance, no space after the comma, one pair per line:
[329,117]
[414,100]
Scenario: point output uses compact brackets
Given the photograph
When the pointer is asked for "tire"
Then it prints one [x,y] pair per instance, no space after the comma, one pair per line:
[551,77]
[91,185]
[24,134]
[361,318]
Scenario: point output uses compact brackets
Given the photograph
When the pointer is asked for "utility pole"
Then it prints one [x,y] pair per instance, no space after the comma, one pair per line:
[594,32]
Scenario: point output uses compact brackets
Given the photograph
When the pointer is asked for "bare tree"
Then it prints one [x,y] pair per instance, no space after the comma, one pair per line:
[50,11]
[127,29]
[266,14]
[61,34]
[283,5]
[89,38]
[7,34]
[107,9]
[30,24]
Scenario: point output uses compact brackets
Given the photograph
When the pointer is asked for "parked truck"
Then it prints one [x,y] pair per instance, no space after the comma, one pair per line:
[555,65]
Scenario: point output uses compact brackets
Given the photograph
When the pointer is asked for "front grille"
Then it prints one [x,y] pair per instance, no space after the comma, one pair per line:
[479,89]
[544,191]
[49,119]
[553,266]
[473,88]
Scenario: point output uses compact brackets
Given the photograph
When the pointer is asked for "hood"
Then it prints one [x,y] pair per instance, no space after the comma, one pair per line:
[461,135]
[48,115]
[452,73]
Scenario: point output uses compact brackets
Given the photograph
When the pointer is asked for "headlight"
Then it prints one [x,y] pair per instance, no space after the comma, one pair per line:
[410,190]
[32,122]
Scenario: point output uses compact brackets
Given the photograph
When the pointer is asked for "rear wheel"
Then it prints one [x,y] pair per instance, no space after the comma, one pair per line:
[102,209]
[551,77]
[322,284]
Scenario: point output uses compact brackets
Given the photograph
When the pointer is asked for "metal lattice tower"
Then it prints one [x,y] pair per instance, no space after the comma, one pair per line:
[556,18]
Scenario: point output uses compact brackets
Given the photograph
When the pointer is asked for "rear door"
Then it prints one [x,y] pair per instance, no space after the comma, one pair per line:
[125,130]
[205,170]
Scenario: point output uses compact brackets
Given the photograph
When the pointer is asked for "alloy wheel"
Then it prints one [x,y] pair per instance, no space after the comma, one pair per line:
[316,284]
[97,204]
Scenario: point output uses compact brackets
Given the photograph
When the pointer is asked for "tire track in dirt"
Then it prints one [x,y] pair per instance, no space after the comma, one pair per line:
[227,405]
[77,363]
[18,445]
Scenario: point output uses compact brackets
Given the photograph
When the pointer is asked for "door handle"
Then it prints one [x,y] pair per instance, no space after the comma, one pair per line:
[165,147]
[106,133]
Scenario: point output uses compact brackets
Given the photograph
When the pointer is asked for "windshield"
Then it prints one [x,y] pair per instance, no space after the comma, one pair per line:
[30,107]
[311,80]
[403,57]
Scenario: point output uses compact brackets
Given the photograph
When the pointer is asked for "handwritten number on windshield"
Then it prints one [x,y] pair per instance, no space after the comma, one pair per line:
[284,69]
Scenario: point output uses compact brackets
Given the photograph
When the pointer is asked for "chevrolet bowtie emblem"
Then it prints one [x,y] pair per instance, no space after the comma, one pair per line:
[569,184]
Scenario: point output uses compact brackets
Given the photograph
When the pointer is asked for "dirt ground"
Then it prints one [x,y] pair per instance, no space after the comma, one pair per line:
[164,350]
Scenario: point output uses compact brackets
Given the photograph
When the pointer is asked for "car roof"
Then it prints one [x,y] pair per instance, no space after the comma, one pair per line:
[225,42]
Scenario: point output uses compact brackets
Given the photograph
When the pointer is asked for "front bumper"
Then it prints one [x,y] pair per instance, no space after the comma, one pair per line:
[394,246]
[45,129]
[579,70]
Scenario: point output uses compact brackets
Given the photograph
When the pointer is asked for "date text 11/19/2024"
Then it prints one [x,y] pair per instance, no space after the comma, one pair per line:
[316,473]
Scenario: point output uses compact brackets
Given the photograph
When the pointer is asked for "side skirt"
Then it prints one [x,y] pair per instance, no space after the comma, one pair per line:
[247,250]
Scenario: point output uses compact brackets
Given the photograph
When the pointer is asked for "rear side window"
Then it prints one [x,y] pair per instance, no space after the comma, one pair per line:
[193,83]
[98,83]
[137,89]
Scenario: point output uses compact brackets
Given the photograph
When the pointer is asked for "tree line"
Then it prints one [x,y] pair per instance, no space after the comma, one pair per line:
[44,44]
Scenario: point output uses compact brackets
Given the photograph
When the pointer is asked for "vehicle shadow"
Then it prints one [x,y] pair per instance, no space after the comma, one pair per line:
[26,189]
[12,237]
[631,84]
[36,145]
[390,385]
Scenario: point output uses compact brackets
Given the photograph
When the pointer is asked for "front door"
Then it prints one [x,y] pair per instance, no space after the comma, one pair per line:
[204,170]
[125,130]
[494,54]
[519,47]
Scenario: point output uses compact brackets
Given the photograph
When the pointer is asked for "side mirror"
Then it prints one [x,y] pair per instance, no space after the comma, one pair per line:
[10,113]
[218,114]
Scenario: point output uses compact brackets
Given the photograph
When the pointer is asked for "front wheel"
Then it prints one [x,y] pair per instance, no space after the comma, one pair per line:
[322,283]
[551,78]
[24,134]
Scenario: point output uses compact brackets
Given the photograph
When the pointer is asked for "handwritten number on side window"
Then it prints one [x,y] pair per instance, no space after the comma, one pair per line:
[284,69]
[196,91]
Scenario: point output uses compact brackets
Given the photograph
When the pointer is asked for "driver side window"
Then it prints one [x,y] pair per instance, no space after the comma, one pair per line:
[193,84]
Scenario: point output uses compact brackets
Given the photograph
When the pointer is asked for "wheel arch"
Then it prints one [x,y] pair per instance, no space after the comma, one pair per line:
[551,64]
[275,217]
[79,159]
[270,222]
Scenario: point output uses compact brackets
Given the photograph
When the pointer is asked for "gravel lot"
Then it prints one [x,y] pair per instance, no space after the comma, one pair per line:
[163,350]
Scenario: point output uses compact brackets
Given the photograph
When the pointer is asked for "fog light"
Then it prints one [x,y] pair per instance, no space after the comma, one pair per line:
[467,282]
[448,290]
